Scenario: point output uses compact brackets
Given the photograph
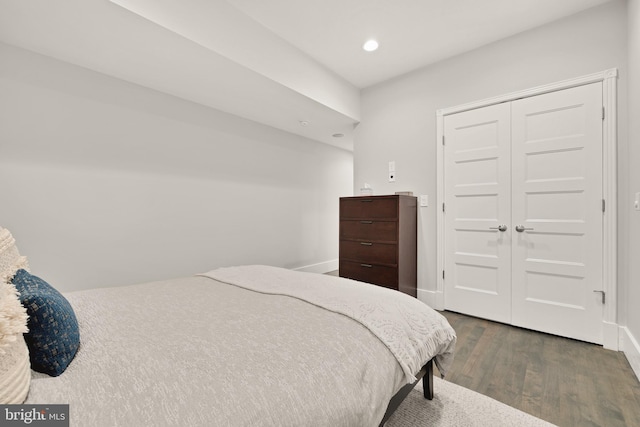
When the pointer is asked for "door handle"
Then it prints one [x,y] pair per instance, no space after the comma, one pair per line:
[521,228]
[501,227]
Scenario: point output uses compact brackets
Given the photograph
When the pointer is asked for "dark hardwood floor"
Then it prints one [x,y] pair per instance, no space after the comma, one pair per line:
[565,382]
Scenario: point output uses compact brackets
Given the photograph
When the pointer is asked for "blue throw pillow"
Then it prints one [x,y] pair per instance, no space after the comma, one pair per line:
[53,338]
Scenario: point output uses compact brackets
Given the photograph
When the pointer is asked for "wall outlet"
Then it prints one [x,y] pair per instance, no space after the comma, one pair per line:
[424,200]
[392,166]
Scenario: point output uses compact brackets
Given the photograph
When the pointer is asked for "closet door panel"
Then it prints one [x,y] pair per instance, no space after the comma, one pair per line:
[557,205]
[477,200]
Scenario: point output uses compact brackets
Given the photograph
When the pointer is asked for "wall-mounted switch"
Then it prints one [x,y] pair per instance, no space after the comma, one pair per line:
[636,203]
[424,200]
[392,166]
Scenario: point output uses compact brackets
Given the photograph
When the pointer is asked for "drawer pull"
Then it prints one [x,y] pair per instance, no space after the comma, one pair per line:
[366,243]
[366,265]
[366,222]
[366,201]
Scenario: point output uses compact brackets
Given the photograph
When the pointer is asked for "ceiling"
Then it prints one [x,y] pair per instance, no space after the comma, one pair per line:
[277,62]
[411,33]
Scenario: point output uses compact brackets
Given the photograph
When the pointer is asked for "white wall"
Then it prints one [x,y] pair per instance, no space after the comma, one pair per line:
[632,230]
[107,183]
[399,116]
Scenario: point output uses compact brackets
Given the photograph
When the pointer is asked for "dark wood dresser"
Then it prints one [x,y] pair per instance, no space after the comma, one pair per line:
[378,241]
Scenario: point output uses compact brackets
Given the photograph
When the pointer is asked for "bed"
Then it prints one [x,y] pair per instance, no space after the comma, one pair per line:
[246,346]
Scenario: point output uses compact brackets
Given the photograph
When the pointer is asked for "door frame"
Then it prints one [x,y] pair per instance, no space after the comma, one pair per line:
[609,79]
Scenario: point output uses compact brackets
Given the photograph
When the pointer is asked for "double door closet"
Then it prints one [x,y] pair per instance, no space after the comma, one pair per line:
[523,220]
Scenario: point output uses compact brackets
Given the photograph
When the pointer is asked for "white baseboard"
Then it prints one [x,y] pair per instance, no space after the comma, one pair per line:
[321,267]
[433,299]
[631,349]
[611,336]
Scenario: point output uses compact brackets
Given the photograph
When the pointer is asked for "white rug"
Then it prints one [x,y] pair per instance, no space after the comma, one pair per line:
[457,406]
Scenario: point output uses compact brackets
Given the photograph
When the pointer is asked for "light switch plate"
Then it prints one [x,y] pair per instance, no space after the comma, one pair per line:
[424,200]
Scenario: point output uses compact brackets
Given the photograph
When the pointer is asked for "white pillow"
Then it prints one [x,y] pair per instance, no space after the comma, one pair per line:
[15,370]
[10,259]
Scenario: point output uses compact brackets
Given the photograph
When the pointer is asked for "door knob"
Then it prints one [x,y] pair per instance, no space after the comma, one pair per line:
[521,228]
[501,227]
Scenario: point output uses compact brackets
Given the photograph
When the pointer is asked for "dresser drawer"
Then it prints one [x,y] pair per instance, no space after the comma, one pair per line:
[369,230]
[370,252]
[370,273]
[368,207]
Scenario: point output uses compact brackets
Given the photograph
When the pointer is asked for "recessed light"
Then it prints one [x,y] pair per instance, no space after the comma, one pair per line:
[370,45]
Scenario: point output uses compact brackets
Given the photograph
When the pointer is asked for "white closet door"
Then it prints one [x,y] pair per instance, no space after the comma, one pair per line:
[557,199]
[477,200]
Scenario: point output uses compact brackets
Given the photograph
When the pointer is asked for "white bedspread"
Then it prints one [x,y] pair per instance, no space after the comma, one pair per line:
[198,352]
[413,332]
